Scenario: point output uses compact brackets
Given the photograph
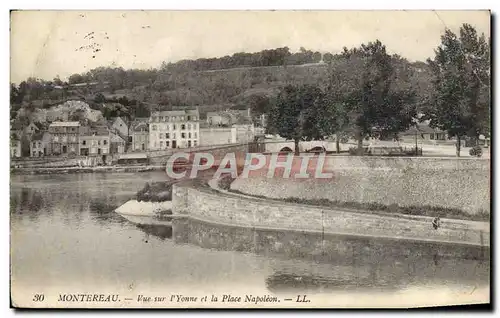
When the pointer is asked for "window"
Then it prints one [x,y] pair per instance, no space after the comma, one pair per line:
[167,118]
[183,135]
[39,144]
[194,143]
[189,117]
[56,139]
[173,136]
[432,136]
[189,135]
[182,118]
[167,136]
[105,142]
[194,117]
[154,127]
[167,143]
[183,127]
[84,142]
[174,119]
[195,135]
[161,136]
[189,126]
[161,118]
[161,144]
[174,127]
[98,142]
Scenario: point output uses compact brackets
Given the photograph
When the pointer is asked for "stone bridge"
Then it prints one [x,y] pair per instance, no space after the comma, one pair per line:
[304,146]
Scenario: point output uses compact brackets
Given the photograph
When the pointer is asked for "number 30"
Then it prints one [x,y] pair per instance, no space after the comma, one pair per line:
[38,297]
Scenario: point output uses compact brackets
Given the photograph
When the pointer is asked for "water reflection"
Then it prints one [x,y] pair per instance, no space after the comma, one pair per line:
[160,231]
[26,201]
[102,211]
[66,226]
[328,263]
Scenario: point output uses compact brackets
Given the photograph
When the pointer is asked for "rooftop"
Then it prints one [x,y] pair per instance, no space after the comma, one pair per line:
[176,112]
[65,124]
[422,129]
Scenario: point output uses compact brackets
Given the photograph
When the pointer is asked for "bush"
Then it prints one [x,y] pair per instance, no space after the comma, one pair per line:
[476,151]
[155,192]
[225,182]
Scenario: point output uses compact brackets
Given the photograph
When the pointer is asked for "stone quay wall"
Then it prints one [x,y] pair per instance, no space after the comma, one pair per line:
[209,205]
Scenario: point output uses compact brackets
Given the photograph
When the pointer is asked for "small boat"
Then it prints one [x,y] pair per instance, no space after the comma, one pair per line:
[147,213]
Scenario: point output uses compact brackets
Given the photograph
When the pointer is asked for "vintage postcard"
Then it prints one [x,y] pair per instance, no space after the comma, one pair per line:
[250,159]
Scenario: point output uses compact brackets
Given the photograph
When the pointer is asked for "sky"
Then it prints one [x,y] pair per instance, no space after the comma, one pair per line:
[45,44]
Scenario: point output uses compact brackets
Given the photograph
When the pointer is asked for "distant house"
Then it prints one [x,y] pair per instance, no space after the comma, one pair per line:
[423,132]
[117,143]
[140,136]
[174,129]
[121,126]
[229,117]
[15,145]
[40,144]
[95,141]
[23,129]
[65,137]
[219,119]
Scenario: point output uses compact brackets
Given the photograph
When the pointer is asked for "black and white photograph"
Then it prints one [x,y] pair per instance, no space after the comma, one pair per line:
[250,159]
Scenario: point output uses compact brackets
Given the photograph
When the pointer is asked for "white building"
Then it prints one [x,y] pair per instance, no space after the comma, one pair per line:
[174,129]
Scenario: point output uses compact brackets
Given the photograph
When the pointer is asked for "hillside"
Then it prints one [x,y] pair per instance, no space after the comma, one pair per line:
[238,85]
[238,81]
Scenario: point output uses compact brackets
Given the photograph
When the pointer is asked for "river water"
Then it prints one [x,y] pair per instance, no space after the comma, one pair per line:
[65,238]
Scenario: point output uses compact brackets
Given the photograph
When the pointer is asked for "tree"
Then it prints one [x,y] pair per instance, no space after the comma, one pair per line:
[294,114]
[78,115]
[327,57]
[76,79]
[57,81]
[373,100]
[99,98]
[460,102]
[16,96]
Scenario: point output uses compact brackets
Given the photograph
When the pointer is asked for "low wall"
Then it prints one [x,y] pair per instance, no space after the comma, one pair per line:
[208,205]
[218,151]
[440,182]
[55,162]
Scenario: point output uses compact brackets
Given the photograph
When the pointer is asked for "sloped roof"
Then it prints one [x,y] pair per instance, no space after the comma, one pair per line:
[422,129]
[140,125]
[65,124]
[115,119]
[220,113]
[37,136]
[176,112]
[116,138]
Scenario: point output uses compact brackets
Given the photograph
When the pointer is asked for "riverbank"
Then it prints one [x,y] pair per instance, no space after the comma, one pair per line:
[98,169]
